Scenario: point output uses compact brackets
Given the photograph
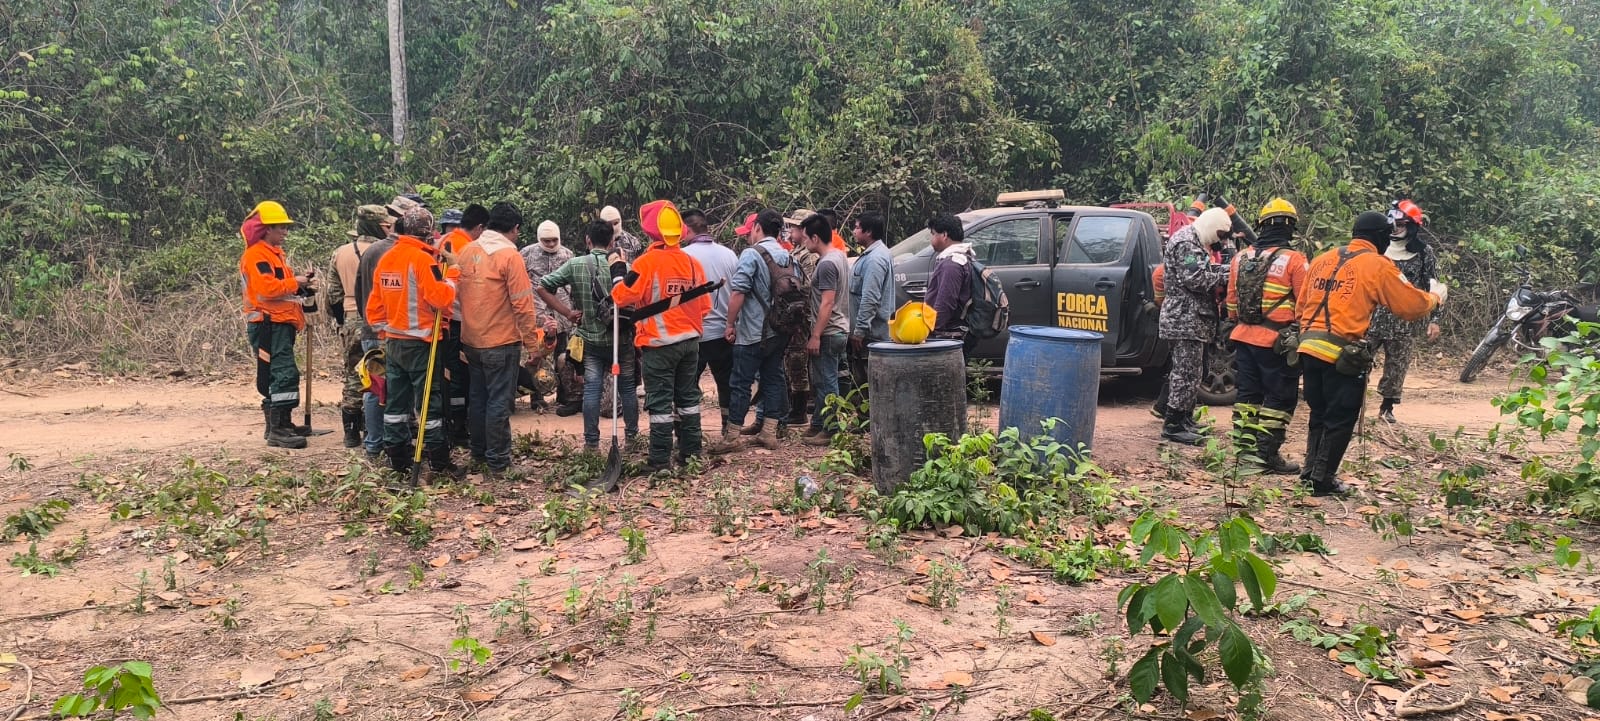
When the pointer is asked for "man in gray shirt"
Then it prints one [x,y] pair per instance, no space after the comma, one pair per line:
[828,338]
[757,348]
[719,264]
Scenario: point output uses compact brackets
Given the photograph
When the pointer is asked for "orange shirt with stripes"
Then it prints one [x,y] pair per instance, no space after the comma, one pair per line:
[664,272]
[1365,282]
[1286,282]
[269,286]
[409,289]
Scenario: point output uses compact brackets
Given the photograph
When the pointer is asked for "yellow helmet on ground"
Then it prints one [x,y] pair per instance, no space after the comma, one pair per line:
[271,212]
[912,323]
[1278,208]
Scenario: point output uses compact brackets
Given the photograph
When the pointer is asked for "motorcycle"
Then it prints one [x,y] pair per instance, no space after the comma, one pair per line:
[1530,315]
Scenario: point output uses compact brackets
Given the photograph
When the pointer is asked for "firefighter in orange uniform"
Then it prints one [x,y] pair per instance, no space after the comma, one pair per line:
[1345,285]
[273,312]
[670,340]
[410,291]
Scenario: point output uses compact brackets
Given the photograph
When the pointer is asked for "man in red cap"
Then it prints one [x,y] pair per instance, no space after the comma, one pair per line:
[670,340]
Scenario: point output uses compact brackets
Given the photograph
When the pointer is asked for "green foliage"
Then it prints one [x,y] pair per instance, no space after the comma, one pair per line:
[1195,606]
[1564,398]
[987,482]
[1366,647]
[637,547]
[35,521]
[1275,543]
[123,688]
[876,674]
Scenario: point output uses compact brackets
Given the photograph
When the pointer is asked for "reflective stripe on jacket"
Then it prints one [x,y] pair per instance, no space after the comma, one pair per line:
[665,271]
[1286,282]
[269,286]
[410,288]
[1366,281]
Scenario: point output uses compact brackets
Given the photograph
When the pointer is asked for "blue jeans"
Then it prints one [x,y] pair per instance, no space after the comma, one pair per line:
[373,410]
[596,366]
[492,388]
[825,377]
[763,361]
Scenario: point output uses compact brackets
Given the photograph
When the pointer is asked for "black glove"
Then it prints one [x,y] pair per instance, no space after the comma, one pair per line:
[630,277]
[336,312]
[619,269]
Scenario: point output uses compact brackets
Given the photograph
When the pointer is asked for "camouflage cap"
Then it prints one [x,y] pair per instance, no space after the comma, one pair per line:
[418,222]
[400,205]
[372,214]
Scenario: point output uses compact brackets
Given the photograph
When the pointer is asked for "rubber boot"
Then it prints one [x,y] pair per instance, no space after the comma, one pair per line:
[798,403]
[767,436]
[400,458]
[1272,460]
[1386,410]
[278,433]
[353,425]
[1174,429]
[439,460]
[288,421]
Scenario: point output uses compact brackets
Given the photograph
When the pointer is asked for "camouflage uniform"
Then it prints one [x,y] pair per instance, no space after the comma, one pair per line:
[569,375]
[1189,314]
[796,363]
[1397,337]
[629,245]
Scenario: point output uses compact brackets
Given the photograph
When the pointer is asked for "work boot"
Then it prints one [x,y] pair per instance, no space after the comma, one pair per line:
[1174,429]
[456,428]
[439,460]
[1386,411]
[817,437]
[1271,446]
[569,409]
[400,458]
[753,428]
[1335,487]
[798,403]
[353,425]
[288,420]
[731,441]
[766,437]
[279,434]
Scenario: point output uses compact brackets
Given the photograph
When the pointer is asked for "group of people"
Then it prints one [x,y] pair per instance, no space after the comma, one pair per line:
[1321,321]
[779,324]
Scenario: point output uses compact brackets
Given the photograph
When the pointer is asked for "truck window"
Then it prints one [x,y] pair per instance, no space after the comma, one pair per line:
[1097,239]
[1008,242]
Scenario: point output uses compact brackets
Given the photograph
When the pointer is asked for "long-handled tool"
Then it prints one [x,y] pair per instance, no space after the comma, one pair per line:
[427,396]
[311,371]
[613,472]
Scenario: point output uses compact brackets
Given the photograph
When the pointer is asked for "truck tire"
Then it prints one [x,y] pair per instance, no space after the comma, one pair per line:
[1217,381]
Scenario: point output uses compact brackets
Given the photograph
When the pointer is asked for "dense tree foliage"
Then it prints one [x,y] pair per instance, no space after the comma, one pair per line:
[137,133]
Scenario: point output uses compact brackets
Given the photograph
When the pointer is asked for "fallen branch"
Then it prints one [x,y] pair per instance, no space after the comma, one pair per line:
[27,693]
[1404,709]
[48,614]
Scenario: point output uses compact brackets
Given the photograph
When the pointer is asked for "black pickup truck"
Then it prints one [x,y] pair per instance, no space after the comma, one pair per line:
[1082,267]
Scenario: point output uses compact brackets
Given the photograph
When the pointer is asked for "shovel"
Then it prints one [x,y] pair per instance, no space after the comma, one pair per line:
[427,397]
[608,480]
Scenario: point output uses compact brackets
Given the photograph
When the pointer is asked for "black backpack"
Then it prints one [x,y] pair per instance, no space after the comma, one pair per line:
[1252,284]
[988,313]
[790,310]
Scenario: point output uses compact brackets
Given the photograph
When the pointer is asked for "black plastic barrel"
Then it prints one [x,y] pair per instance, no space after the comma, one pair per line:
[1051,373]
[916,390]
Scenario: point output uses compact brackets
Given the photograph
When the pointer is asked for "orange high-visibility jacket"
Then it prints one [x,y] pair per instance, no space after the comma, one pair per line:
[409,288]
[664,272]
[1366,281]
[269,286]
[454,242]
[1286,283]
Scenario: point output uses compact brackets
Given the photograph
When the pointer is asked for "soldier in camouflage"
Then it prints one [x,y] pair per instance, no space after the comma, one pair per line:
[372,225]
[1189,314]
[623,242]
[1396,338]
[541,258]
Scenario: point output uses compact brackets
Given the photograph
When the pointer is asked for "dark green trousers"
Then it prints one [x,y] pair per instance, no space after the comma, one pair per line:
[672,397]
[277,377]
[406,367]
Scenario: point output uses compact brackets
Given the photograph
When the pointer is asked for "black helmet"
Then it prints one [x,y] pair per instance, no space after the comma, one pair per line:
[1372,225]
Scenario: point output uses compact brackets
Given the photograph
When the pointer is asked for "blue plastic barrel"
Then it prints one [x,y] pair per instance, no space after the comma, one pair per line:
[916,390]
[1051,373]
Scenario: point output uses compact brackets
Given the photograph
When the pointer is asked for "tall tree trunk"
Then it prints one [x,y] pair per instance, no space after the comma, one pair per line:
[397,75]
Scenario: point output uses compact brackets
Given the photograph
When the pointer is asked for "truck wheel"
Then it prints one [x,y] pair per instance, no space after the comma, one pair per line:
[1217,386]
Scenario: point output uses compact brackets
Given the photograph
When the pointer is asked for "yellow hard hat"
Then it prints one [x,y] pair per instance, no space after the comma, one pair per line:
[912,323]
[1278,208]
[575,348]
[271,212]
[371,369]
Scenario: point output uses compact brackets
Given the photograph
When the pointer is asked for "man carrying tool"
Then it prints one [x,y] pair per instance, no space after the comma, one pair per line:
[541,258]
[372,225]
[411,293]
[365,274]
[1189,315]
[274,315]
[499,322]
[671,339]
[586,280]
[1264,284]
[1346,285]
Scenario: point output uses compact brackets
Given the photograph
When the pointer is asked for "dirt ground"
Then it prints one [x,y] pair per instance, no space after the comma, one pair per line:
[271,592]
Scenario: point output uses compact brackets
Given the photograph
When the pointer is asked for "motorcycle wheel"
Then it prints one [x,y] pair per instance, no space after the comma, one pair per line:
[1480,356]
